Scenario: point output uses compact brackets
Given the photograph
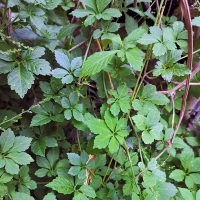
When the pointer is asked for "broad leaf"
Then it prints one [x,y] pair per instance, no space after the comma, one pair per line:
[20,80]
[97,62]
[61,185]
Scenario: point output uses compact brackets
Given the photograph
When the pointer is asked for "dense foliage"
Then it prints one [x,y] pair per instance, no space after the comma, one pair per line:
[78,118]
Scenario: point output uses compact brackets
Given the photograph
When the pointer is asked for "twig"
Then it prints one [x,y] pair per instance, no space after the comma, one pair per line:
[169,9]
[135,4]
[78,45]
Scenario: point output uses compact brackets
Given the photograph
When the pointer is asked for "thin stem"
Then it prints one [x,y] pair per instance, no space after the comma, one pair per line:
[9,196]
[108,168]
[78,45]
[79,144]
[129,158]
[114,165]
[139,145]
[86,53]
[104,85]
[187,55]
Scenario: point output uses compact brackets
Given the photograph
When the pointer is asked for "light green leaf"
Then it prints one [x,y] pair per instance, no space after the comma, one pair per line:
[159,49]
[111,12]
[82,13]
[50,196]
[6,140]
[61,185]
[147,39]
[158,98]
[148,91]
[21,158]
[96,62]
[88,191]
[20,80]
[101,141]
[156,32]
[134,58]
[140,121]
[193,141]
[198,195]
[196,21]
[189,181]
[38,147]
[5,178]
[21,143]
[186,194]
[147,138]
[51,142]
[115,109]
[68,114]
[62,59]
[39,120]
[113,145]
[74,158]
[135,196]
[41,172]
[22,196]
[177,175]
[74,170]
[11,167]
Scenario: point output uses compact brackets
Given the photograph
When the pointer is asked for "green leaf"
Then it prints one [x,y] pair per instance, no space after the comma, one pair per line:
[6,114]
[196,21]
[158,98]
[74,170]
[53,156]
[21,143]
[61,185]
[77,115]
[97,126]
[41,172]
[101,141]
[62,59]
[101,4]
[189,181]
[43,162]
[129,20]
[20,80]
[6,140]
[67,30]
[177,175]
[51,142]
[96,62]
[115,109]
[38,147]
[193,141]
[113,145]
[88,191]
[127,188]
[74,158]
[89,20]
[39,120]
[110,120]
[73,98]
[198,195]
[82,13]
[147,39]
[50,196]
[21,158]
[68,114]
[22,196]
[111,12]
[135,196]
[90,3]
[159,49]
[186,194]
[11,167]
[134,58]
[5,178]
[84,157]
[3,190]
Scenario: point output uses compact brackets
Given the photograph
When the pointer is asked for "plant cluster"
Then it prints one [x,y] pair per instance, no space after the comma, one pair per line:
[80,120]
